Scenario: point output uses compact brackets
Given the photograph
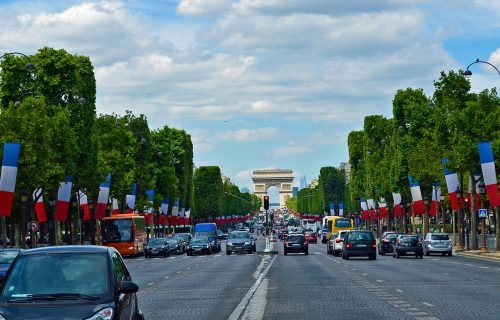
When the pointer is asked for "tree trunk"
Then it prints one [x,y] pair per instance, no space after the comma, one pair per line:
[473,217]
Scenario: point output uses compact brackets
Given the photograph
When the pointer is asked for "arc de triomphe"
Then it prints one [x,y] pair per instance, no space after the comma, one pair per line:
[282,179]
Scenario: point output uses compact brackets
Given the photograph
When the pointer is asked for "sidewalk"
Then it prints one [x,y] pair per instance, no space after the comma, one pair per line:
[492,255]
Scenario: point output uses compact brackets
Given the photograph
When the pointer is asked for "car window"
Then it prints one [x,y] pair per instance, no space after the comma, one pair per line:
[295,239]
[392,236]
[343,234]
[440,237]
[8,256]
[119,268]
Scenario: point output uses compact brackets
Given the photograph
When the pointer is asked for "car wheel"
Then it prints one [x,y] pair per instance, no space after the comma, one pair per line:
[443,254]
[285,253]
[228,253]
[250,251]
[307,252]
[372,257]
[417,256]
[189,253]
[347,257]
[450,253]
[335,253]
[426,252]
[165,254]
[397,254]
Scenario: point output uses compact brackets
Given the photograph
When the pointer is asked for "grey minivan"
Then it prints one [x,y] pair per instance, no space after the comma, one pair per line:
[438,243]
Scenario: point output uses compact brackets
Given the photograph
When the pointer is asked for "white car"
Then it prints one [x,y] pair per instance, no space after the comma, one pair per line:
[334,245]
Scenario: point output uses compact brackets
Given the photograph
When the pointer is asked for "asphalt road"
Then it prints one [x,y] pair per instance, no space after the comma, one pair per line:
[317,286]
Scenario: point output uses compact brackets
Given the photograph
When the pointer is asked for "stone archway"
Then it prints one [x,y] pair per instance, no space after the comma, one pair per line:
[282,179]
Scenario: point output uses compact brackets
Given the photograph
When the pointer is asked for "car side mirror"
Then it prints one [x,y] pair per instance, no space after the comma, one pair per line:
[128,287]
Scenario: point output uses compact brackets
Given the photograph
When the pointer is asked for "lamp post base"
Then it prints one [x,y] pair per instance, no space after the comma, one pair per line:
[484,250]
[459,248]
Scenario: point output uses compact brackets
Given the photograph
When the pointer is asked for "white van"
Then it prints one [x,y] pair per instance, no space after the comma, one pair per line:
[310,224]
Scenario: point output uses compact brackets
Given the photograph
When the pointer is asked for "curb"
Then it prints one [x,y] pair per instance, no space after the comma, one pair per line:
[268,252]
[478,256]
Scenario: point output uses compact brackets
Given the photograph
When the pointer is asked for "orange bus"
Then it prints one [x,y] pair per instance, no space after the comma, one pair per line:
[125,232]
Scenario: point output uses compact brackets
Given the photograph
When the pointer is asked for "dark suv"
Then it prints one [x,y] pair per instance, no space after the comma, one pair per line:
[296,243]
[407,245]
[387,241]
[359,243]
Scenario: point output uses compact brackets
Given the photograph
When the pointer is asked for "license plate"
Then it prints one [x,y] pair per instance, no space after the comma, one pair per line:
[410,252]
[361,245]
[296,245]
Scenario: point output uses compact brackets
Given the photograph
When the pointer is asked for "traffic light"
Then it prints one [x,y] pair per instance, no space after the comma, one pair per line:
[266,202]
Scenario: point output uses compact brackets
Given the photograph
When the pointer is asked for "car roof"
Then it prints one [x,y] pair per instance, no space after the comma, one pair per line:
[67,249]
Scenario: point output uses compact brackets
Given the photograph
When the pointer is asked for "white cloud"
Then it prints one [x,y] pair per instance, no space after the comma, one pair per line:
[291,150]
[495,57]
[202,7]
[249,135]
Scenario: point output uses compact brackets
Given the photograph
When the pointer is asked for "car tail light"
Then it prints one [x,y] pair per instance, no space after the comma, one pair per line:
[349,245]
[338,241]
[286,243]
[373,245]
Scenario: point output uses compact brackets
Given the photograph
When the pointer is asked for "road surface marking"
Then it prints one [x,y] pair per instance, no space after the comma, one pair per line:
[365,274]
[166,277]
[428,304]
[353,269]
[469,265]
[446,274]
[178,271]
[139,267]
[379,280]
[398,290]
[188,268]
[150,284]
[486,267]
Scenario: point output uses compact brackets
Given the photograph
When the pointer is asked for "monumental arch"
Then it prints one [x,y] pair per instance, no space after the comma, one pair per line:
[282,179]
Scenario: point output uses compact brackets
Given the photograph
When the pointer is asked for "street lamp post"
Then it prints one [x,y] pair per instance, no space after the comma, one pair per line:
[484,247]
[468,73]
[460,221]
[443,218]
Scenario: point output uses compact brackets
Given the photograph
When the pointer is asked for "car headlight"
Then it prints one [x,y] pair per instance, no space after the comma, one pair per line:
[104,314]
[247,242]
[229,243]
[207,246]
[163,247]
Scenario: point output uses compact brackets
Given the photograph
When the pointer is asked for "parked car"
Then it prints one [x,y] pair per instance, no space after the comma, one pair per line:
[311,236]
[439,243]
[238,241]
[324,230]
[185,236]
[7,256]
[296,243]
[359,243]
[408,246]
[387,241]
[199,245]
[157,247]
[70,282]
[336,242]
[176,245]
[221,235]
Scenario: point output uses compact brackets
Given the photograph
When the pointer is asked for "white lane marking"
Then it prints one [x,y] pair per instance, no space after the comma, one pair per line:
[166,277]
[257,304]
[259,269]
[456,262]
[469,265]
[399,290]
[428,304]
[150,284]
[379,280]
[188,268]
[446,273]
[365,274]
[178,271]
[353,269]
[474,280]
[139,267]
[235,315]
[345,265]
[486,267]
[435,259]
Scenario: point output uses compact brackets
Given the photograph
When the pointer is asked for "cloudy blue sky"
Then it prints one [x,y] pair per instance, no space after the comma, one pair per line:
[261,83]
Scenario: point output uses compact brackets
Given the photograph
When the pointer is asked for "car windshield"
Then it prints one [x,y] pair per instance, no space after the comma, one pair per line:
[361,236]
[409,239]
[184,236]
[72,273]
[295,239]
[6,257]
[239,235]
[116,230]
[156,241]
[342,223]
[392,236]
[440,237]
[172,240]
[199,240]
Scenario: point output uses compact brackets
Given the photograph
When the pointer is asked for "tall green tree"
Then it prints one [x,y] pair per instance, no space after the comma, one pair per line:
[207,192]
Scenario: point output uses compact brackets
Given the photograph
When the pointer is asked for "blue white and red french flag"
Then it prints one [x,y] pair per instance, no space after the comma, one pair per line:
[102,199]
[477,198]
[489,172]
[364,209]
[332,208]
[383,208]
[130,199]
[436,199]
[39,206]
[416,196]
[84,205]
[8,178]
[164,205]
[341,209]
[396,197]
[114,206]
[451,184]
[63,198]
[175,212]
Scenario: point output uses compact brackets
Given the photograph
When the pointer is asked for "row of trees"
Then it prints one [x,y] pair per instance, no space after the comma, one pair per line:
[214,197]
[51,111]
[422,131]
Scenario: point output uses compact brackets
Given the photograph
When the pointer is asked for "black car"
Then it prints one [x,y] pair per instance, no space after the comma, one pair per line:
[408,246]
[359,243]
[7,256]
[296,243]
[176,245]
[69,282]
[386,243]
[157,247]
[238,241]
[221,235]
[185,236]
[199,245]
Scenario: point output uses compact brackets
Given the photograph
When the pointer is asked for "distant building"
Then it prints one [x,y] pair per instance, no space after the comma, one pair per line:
[347,170]
[245,190]
[295,191]
[303,183]
[226,179]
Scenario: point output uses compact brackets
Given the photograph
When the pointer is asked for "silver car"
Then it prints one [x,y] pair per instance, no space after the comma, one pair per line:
[439,243]
[238,241]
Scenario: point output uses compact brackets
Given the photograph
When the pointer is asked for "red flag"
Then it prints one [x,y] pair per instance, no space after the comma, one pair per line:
[39,206]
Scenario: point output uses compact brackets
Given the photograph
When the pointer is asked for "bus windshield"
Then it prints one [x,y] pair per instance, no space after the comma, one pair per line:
[119,230]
